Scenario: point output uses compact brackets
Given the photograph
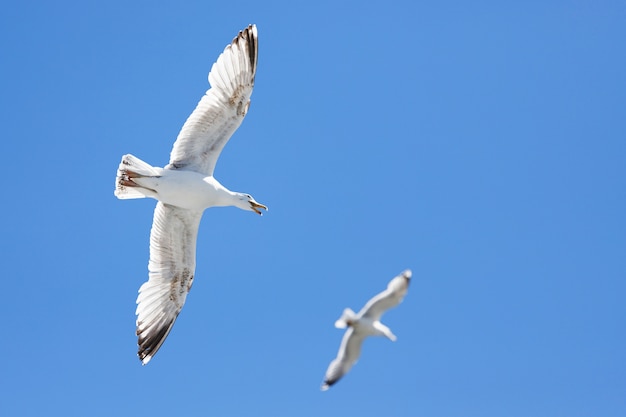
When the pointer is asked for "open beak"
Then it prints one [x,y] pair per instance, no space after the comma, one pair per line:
[256,206]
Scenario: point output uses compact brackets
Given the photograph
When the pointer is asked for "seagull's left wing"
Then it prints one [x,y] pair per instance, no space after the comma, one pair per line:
[391,297]
[171,269]
[222,109]
[348,354]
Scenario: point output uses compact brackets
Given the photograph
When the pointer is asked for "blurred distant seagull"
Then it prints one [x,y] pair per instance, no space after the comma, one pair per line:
[366,323]
[185,187]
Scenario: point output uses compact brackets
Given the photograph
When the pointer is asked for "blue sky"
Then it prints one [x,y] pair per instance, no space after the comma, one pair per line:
[480,144]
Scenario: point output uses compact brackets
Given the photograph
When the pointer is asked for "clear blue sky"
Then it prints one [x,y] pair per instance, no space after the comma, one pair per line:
[481,144]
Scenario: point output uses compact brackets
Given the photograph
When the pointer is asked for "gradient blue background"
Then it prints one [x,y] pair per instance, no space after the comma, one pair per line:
[481,144]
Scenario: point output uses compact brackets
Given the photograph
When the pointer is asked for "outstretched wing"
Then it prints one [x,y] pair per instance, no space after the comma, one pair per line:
[348,354]
[222,109]
[171,269]
[391,297]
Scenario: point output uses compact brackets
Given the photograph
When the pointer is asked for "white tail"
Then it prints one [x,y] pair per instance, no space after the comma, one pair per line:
[132,167]
[346,319]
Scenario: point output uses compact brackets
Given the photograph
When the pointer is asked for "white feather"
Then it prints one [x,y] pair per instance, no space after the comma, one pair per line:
[186,187]
[365,323]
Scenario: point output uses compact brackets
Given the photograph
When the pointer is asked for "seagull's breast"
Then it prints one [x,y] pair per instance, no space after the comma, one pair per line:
[187,189]
[366,327]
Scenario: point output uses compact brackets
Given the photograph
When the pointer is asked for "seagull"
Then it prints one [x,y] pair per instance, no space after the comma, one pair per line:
[366,323]
[186,187]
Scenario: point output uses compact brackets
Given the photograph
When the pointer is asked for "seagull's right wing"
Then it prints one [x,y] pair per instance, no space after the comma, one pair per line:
[222,109]
[391,297]
[348,354]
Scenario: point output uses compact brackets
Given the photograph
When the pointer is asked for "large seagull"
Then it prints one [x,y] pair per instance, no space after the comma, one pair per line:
[365,323]
[186,187]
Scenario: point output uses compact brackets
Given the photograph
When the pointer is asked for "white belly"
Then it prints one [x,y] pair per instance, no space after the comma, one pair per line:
[186,189]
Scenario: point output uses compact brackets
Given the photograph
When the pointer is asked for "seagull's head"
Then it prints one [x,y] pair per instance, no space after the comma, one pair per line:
[343,323]
[348,319]
[246,202]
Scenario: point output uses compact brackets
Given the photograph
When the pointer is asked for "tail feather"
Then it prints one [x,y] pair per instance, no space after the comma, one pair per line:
[346,319]
[132,167]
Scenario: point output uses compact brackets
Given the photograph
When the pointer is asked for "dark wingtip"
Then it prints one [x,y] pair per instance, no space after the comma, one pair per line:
[326,385]
[250,36]
[150,342]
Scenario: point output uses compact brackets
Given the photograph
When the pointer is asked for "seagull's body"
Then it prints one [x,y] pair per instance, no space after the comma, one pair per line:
[186,187]
[365,323]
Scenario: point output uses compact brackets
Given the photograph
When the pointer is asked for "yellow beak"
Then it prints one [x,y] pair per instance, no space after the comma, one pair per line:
[256,206]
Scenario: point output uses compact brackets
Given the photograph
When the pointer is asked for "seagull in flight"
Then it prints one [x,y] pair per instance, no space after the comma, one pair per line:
[365,323]
[186,187]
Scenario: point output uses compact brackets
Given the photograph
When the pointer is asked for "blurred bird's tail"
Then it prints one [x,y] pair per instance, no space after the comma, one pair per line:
[130,168]
[346,319]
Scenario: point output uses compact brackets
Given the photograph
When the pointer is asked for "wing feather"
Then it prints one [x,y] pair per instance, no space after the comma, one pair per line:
[222,109]
[391,297]
[347,356]
[171,269]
